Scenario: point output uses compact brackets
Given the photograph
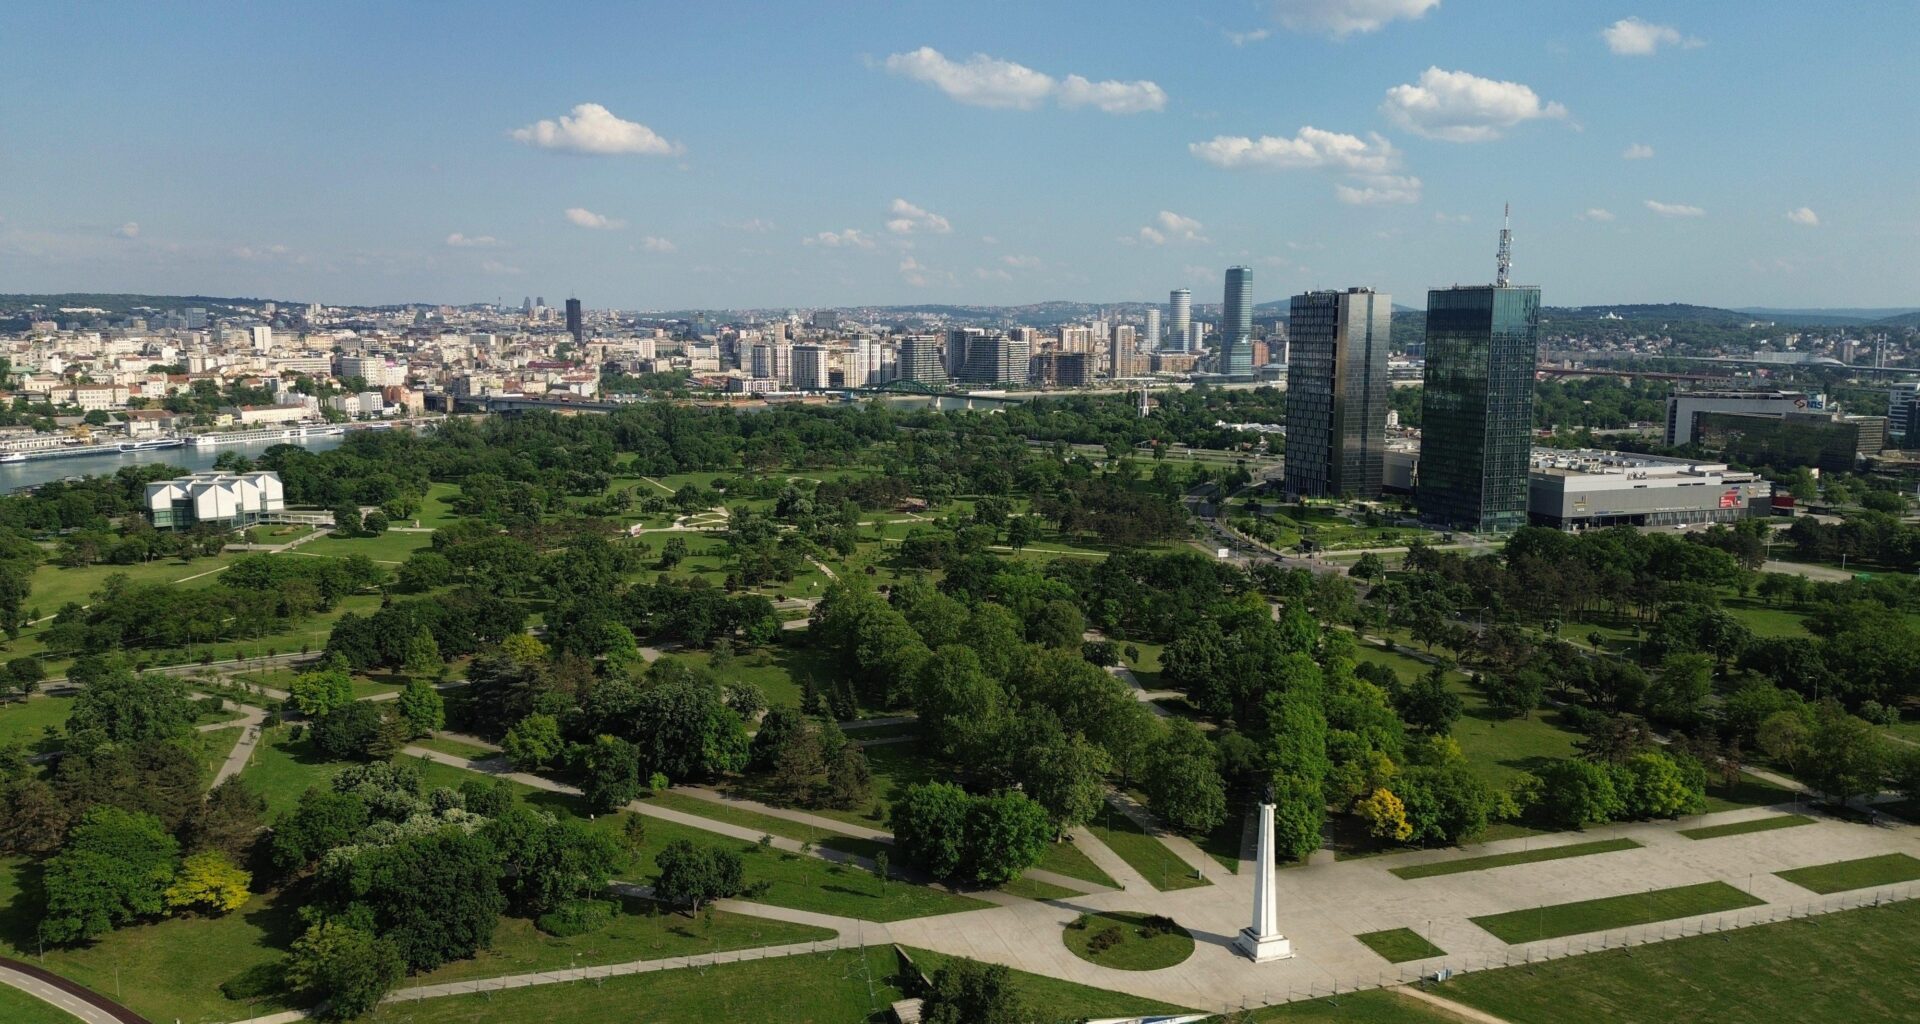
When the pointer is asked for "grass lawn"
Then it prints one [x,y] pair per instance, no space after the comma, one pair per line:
[780,672]
[1132,943]
[1843,968]
[1224,843]
[1498,749]
[391,548]
[170,969]
[1374,1006]
[1865,873]
[1399,945]
[17,1007]
[1517,926]
[642,931]
[1054,999]
[26,721]
[282,768]
[55,585]
[1763,619]
[895,766]
[1501,860]
[1064,858]
[436,511]
[1739,828]
[745,817]
[452,746]
[820,988]
[1749,791]
[1032,889]
[1161,867]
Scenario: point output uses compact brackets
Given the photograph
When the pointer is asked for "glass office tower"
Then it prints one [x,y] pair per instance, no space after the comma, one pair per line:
[1236,323]
[1476,409]
[1337,393]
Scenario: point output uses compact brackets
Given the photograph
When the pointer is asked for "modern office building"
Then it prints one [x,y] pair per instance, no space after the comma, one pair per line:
[919,360]
[1685,407]
[1236,323]
[810,368]
[1828,442]
[1152,336]
[1337,393]
[1577,490]
[1476,405]
[576,324]
[223,499]
[1902,400]
[1179,319]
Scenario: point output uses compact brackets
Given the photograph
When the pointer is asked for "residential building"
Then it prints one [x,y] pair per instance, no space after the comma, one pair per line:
[1236,323]
[809,368]
[920,360]
[1179,320]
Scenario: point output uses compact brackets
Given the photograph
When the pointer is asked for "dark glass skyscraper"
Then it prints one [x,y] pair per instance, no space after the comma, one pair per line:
[1476,409]
[575,325]
[1337,393]
[1236,323]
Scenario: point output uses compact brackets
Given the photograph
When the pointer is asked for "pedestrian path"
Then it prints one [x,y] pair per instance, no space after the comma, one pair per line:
[1108,861]
[83,1003]
[1181,846]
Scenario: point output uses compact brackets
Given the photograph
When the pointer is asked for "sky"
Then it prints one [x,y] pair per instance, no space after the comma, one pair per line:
[739,155]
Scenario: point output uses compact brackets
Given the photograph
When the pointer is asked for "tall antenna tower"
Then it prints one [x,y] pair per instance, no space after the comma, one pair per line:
[1504,259]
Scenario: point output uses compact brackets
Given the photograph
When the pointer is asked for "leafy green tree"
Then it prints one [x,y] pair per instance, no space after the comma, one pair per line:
[959,705]
[1183,782]
[436,894]
[692,875]
[1058,624]
[930,827]
[612,771]
[534,742]
[546,861]
[969,992]
[321,691]
[488,798]
[422,708]
[1575,793]
[423,659]
[323,820]
[1658,787]
[849,778]
[1064,774]
[1515,694]
[208,881]
[1845,756]
[346,520]
[114,868]
[229,821]
[1299,813]
[1429,704]
[1006,834]
[346,970]
[359,730]
[1022,531]
[424,571]
[23,674]
[1444,802]
[119,707]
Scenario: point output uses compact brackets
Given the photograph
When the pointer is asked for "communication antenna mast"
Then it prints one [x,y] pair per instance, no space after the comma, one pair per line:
[1504,260]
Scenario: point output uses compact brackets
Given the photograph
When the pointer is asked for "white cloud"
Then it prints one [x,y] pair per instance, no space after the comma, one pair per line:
[588,219]
[1632,37]
[1023,262]
[1243,38]
[1596,214]
[460,241]
[654,243]
[1309,147]
[1339,18]
[993,274]
[1169,226]
[130,229]
[497,267]
[1112,97]
[755,225]
[851,238]
[1379,189]
[1674,209]
[983,81]
[1455,106]
[913,272]
[1451,218]
[908,218]
[1638,151]
[1804,216]
[593,130]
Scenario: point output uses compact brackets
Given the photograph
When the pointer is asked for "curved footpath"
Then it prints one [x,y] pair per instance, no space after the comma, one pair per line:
[50,988]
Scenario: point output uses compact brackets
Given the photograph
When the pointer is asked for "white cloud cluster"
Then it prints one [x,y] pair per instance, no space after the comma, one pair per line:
[1022,262]
[1632,37]
[593,130]
[460,241]
[908,218]
[1243,38]
[984,81]
[129,230]
[1172,227]
[1804,216]
[654,243]
[913,272]
[1595,214]
[1674,209]
[1638,151]
[1370,163]
[1455,106]
[851,238]
[586,218]
[1340,18]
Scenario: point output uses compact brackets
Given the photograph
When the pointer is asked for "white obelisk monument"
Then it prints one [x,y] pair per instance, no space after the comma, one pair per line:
[1262,941]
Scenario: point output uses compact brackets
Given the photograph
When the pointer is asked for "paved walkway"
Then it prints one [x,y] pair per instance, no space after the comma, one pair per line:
[242,751]
[69,996]
[1140,693]
[1181,846]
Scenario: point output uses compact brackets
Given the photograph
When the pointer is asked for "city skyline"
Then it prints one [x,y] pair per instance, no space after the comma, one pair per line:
[1646,159]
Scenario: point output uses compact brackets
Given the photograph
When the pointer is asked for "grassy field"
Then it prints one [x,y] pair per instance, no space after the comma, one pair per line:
[389,548]
[1133,949]
[1844,968]
[1517,926]
[452,746]
[54,585]
[1865,873]
[895,767]
[1399,945]
[1053,999]
[1034,889]
[780,672]
[1375,1006]
[26,721]
[17,1007]
[1066,859]
[1501,860]
[642,931]
[1748,791]
[1740,828]
[818,988]
[1161,867]
[1498,749]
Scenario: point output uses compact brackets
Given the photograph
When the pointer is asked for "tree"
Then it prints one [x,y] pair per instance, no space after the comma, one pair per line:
[423,656]
[1845,756]
[546,861]
[374,523]
[33,818]
[1515,694]
[423,571]
[1783,736]
[120,707]
[114,868]
[1022,531]
[422,708]
[229,821]
[323,820]
[1183,782]
[1007,833]
[1575,793]
[1659,787]
[969,992]
[1445,803]
[692,875]
[24,674]
[1368,567]
[346,520]
[1385,815]
[345,968]
[798,768]
[929,827]
[1429,705]
[208,881]
[320,692]
[435,894]
[1064,774]
[534,742]
[360,730]
[488,798]
[849,778]
[612,773]
[959,705]
[1058,624]
[1299,812]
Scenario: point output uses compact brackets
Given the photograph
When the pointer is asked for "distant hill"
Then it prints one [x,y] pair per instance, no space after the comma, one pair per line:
[1841,315]
[1686,313]
[122,303]
[1903,320]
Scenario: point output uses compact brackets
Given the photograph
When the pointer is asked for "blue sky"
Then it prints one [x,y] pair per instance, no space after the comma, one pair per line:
[734,154]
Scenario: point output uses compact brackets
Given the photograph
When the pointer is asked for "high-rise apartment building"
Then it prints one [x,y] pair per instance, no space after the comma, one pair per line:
[1236,323]
[1337,393]
[576,324]
[1476,408]
[919,360]
[810,368]
[1152,336]
[1179,319]
[960,342]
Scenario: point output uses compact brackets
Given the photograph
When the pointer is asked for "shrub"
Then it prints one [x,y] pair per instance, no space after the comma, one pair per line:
[1104,939]
[576,917]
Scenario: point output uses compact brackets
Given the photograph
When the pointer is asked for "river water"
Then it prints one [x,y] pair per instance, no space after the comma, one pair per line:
[33,473]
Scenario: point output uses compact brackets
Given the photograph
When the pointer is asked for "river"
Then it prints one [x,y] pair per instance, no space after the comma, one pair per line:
[33,473]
